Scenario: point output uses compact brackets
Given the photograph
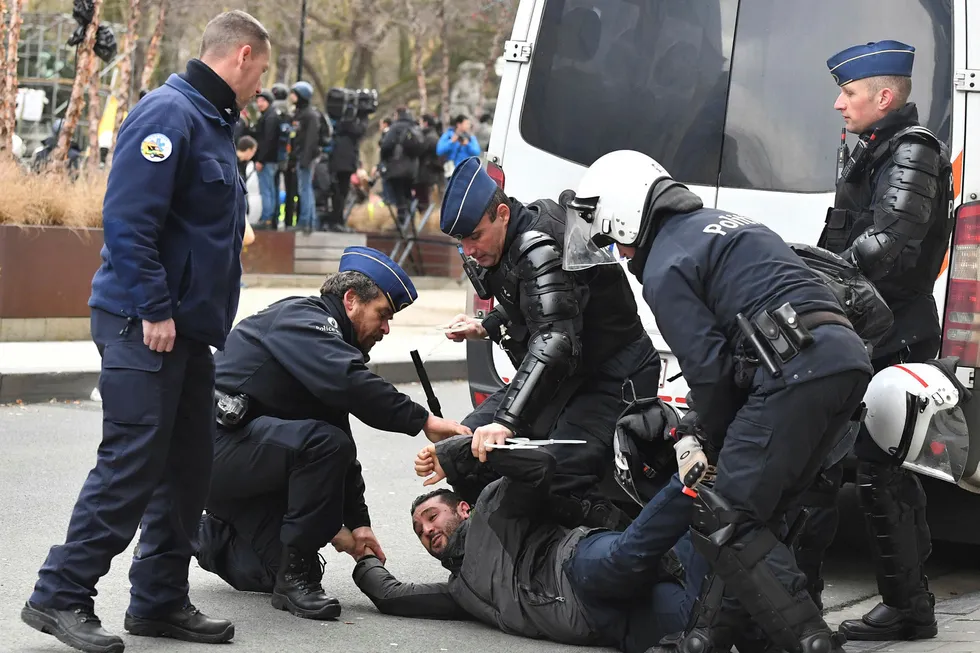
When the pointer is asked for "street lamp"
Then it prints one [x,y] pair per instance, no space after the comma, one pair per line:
[302,38]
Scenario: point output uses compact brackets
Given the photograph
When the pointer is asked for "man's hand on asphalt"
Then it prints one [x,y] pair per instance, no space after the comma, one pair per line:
[437,428]
[463,327]
[426,463]
[343,542]
[489,434]
[365,543]
[160,336]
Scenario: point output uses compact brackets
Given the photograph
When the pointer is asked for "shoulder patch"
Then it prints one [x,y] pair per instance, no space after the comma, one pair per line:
[156,148]
[330,327]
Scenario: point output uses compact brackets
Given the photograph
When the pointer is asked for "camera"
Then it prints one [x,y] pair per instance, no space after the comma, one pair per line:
[347,104]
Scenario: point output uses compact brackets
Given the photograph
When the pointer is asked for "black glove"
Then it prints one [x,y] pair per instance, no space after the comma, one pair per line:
[644,423]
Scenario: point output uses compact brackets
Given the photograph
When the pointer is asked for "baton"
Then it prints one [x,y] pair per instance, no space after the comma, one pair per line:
[430,395]
[760,349]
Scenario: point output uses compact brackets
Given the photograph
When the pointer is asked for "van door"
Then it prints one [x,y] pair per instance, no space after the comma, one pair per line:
[779,156]
[605,75]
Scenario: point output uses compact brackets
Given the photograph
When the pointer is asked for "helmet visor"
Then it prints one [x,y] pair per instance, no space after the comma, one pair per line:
[581,251]
[945,447]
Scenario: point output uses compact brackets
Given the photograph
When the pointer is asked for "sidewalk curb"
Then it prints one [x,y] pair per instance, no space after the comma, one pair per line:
[947,610]
[39,387]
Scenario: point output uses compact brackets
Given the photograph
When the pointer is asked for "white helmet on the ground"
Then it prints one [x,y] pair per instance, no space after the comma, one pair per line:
[915,415]
[608,207]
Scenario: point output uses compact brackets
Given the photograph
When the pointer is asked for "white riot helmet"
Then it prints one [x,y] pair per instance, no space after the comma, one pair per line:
[915,415]
[608,207]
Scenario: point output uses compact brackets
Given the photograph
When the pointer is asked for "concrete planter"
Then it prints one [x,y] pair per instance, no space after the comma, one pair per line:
[45,281]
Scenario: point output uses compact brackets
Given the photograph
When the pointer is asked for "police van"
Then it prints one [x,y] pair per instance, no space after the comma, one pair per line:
[734,98]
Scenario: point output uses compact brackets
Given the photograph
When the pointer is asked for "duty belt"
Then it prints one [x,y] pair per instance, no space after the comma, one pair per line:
[779,336]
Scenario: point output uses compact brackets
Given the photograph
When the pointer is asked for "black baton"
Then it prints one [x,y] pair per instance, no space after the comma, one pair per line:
[430,395]
[760,349]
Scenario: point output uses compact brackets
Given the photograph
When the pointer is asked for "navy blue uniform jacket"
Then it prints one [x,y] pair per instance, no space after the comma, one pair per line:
[298,359]
[706,267]
[173,217]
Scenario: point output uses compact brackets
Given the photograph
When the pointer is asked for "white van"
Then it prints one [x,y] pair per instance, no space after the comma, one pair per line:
[734,98]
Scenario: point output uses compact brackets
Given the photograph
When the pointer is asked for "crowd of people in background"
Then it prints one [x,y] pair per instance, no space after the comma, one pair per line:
[306,166]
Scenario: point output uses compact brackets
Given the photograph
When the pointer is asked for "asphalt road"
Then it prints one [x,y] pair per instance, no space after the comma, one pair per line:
[46,451]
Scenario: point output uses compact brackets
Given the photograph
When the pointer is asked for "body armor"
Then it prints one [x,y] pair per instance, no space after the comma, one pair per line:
[892,218]
[545,322]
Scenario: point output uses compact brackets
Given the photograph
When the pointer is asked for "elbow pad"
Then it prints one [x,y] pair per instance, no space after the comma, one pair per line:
[549,361]
[875,253]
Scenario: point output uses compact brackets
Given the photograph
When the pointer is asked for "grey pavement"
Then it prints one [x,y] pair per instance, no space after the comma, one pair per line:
[46,451]
[40,371]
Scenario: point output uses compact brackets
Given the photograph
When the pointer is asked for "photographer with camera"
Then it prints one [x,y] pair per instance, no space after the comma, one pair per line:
[457,144]
[400,150]
[349,111]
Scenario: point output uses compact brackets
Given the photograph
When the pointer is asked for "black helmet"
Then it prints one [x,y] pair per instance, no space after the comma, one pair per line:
[643,448]
[280,91]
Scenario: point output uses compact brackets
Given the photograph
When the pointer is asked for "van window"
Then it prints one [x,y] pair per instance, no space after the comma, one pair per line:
[647,75]
[782,131]
[661,77]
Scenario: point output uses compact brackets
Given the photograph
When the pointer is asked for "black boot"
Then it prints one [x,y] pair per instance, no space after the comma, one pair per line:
[78,628]
[298,588]
[884,622]
[187,624]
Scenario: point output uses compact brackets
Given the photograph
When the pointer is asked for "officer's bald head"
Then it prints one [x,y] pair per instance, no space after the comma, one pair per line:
[228,32]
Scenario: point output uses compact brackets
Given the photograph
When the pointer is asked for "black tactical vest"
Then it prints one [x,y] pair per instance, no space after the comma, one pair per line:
[610,320]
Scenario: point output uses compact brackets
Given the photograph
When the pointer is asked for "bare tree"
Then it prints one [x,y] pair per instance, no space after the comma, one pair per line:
[443,21]
[126,64]
[8,98]
[504,23]
[94,112]
[83,69]
[153,49]
[418,19]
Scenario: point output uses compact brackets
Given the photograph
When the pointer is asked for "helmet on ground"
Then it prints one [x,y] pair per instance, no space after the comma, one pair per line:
[643,448]
[609,206]
[915,415]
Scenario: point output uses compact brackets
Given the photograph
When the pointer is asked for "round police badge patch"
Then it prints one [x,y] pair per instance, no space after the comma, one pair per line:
[156,148]
[332,322]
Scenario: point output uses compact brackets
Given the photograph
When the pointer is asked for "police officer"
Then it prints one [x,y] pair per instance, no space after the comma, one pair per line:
[891,218]
[575,338]
[167,291]
[286,476]
[775,369]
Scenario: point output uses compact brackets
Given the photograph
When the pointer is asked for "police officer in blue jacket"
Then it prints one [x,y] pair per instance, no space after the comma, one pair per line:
[167,291]
[775,370]
[286,477]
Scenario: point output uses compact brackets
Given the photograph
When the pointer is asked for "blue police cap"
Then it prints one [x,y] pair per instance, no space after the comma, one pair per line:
[468,194]
[884,58]
[384,272]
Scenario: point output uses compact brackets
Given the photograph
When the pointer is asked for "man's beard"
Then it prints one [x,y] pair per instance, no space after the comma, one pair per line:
[451,525]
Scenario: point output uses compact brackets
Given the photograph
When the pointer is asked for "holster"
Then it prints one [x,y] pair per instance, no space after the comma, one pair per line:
[784,333]
[230,410]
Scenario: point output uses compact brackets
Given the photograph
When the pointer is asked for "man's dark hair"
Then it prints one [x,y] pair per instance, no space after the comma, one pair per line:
[245,143]
[232,30]
[447,496]
[338,284]
[458,119]
[499,197]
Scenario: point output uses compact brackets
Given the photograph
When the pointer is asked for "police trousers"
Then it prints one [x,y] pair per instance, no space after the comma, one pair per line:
[153,469]
[772,451]
[275,483]
[590,415]
[897,486]
[619,577]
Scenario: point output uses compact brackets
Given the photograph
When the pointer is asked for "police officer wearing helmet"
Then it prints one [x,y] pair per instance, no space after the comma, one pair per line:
[167,291]
[574,337]
[286,476]
[775,370]
[891,218]
[305,151]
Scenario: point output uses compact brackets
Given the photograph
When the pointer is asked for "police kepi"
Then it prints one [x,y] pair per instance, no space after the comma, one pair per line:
[394,283]
[468,194]
[881,59]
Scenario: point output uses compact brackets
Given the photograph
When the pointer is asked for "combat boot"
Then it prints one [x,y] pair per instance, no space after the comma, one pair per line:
[78,628]
[884,622]
[298,588]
